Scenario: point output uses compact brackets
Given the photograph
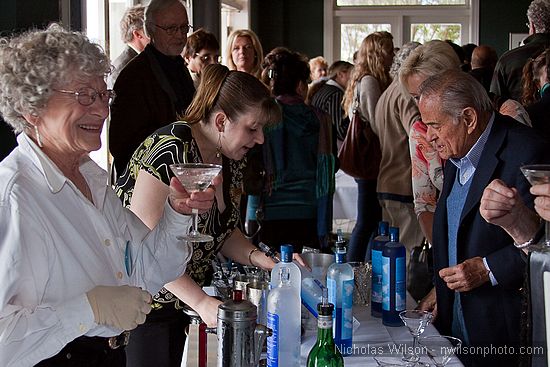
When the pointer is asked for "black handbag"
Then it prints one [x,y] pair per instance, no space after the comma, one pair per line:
[420,271]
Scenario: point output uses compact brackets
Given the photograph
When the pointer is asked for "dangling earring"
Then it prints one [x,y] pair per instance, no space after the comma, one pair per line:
[219,146]
[37,133]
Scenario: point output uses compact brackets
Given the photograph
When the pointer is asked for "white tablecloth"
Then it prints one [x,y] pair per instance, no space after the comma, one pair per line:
[345,197]
[371,339]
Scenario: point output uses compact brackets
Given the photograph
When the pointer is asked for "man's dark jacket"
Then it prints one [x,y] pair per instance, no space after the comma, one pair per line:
[145,101]
[491,313]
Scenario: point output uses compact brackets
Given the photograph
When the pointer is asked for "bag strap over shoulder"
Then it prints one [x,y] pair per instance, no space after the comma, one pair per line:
[356,98]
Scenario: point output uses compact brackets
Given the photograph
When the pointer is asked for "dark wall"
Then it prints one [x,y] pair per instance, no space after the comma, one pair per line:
[297,25]
[499,18]
[204,16]
[17,15]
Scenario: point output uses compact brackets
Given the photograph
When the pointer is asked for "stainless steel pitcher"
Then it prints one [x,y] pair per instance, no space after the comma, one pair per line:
[240,339]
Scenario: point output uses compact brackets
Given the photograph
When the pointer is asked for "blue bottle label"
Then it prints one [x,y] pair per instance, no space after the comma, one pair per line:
[400,284]
[385,283]
[273,340]
[376,291]
[347,309]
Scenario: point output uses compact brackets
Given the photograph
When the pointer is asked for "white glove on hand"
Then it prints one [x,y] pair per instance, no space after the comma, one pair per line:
[123,307]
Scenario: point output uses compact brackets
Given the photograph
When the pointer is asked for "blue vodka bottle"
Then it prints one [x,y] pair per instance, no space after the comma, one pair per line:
[394,285]
[376,257]
[340,294]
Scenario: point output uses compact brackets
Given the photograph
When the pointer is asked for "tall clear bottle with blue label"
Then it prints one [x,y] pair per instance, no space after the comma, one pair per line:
[283,318]
[376,276]
[286,262]
[340,294]
[394,286]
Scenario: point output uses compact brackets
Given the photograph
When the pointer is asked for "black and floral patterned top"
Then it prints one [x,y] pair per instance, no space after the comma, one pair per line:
[170,144]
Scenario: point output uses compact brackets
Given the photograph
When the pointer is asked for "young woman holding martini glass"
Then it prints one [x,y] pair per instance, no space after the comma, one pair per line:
[223,122]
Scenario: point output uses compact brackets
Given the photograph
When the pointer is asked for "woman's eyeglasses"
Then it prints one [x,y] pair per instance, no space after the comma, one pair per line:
[87,96]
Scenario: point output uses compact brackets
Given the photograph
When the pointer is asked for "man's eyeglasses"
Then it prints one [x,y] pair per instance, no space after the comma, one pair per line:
[213,58]
[171,30]
[87,96]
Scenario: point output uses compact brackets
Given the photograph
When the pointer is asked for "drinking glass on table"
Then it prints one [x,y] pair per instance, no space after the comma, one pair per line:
[440,348]
[416,321]
[195,177]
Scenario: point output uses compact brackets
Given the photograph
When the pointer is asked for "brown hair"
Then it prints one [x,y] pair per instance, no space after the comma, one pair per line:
[234,93]
[370,61]
[529,78]
[199,40]
[283,69]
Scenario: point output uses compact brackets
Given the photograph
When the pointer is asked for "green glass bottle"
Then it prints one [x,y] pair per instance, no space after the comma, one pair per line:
[324,353]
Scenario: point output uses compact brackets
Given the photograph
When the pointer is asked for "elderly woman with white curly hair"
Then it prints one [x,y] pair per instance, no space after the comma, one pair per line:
[77,269]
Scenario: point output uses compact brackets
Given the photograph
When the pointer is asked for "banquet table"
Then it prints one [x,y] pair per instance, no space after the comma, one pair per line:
[370,339]
[373,339]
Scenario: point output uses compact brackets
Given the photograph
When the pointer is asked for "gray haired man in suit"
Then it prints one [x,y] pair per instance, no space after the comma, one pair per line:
[133,35]
[479,271]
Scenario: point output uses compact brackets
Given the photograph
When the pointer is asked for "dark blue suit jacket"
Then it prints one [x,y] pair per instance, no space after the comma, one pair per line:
[491,313]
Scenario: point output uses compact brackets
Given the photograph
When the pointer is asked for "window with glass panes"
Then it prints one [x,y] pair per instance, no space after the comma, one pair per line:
[348,22]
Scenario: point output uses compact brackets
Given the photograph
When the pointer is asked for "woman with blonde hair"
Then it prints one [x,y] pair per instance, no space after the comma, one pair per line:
[244,52]
[427,171]
[369,78]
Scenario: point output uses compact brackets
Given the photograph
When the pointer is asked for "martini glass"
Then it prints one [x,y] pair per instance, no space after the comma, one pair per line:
[195,177]
[538,174]
[416,321]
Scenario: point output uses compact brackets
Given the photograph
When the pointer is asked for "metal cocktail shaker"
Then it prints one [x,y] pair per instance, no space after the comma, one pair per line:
[240,339]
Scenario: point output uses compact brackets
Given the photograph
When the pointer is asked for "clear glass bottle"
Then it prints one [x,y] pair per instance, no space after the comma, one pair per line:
[284,319]
[340,294]
[324,352]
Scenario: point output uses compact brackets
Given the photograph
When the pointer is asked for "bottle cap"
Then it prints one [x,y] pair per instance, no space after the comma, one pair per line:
[325,309]
[286,253]
[383,228]
[394,234]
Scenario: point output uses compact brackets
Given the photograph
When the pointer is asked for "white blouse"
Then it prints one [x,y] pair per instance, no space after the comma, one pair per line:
[55,245]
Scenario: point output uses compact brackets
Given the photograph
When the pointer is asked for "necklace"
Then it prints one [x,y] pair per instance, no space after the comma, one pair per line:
[212,156]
